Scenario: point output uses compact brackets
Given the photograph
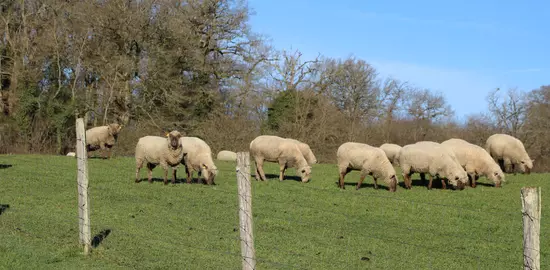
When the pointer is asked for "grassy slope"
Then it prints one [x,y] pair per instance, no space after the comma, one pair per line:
[296,225]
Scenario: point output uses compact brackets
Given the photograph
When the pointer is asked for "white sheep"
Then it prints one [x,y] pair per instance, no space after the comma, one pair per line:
[276,149]
[432,159]
[476,161]
[391,150]
[509,153]
[198,157]
[71,154]
[103,137]
[156,150]
[306,151]
[369,160]
[227,155]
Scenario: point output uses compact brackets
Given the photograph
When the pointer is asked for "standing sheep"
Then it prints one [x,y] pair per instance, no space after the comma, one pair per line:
[432,159]
[369,160]
[306,151]
[476,161]
[391,151]
[198,157]
[103,137]
[156,150]
[227,155]
[509,153]
[276,149]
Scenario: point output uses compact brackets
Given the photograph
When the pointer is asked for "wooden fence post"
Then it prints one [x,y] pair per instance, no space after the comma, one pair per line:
[531,209]
[245,211]
[83,201]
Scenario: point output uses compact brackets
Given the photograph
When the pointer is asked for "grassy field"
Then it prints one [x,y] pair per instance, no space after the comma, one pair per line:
[296,225]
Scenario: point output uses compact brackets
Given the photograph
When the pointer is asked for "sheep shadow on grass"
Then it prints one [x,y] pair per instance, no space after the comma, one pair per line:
[365,185]
[5,166]
[269,176]
[436,184]
[98,238]
[3,208]
[178,180]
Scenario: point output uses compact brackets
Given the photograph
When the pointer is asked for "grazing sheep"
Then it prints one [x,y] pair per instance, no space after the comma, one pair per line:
[509,153]
[433,159]
[103,137]
[198,157]
[227,155]
[306,151]
[391,151]
[276,149]
[369,160]
[156,150]
[476,161]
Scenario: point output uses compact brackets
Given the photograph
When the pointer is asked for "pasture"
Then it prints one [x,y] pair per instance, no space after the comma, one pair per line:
[296,226]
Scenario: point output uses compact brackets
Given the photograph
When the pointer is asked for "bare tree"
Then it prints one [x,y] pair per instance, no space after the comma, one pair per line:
[508,110]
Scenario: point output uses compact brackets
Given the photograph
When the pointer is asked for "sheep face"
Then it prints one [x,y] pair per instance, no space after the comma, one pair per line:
[497,177]
[114,129]
[458,179]
[526,165]
[209,173]
[305,173]
[393,183]
[174,139]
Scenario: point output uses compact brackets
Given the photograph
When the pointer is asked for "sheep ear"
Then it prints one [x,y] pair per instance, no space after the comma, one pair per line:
[204,166]
[167,134]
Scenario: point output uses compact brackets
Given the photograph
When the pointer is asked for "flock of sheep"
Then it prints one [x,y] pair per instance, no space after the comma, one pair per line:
[456,161]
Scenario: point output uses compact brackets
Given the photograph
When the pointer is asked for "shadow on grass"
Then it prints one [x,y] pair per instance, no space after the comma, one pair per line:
[5,166]
[276,176]
[178,181]
[363,185]
[4,207]
[484,184]
[100,237]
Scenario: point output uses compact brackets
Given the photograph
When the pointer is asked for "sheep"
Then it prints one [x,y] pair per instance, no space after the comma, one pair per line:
[433,159]
[198,157]
[367,159]
[391,151]
[509,153]
[103,137]
[476,161]
[71,154]
[156,150]
[306,151]
[276,149]
[227,155]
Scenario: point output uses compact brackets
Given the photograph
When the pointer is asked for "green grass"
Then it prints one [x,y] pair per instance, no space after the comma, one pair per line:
[296,226]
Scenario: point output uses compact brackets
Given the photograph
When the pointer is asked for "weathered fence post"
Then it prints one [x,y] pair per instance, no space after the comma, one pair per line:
[531,209]
[245,211]
[83,201]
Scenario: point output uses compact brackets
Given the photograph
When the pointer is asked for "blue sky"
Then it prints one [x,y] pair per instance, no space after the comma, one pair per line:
[463,49]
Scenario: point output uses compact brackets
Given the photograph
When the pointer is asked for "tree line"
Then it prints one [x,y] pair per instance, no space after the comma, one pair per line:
[196,66]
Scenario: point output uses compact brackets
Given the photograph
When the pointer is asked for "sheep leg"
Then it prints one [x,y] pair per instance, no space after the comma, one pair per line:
[361,179]
[282,168]
[507,165]
[103,149]
[139,164]
[174,170]
[375,182]
[430,183]
[260,168]
[343,173]
[150,172]
[188,173]
[165,176]
[443,185]
[474,180]
[407,178]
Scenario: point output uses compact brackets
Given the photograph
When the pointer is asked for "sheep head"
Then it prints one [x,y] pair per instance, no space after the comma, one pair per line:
[305,173]
[114,128]
[174,139]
